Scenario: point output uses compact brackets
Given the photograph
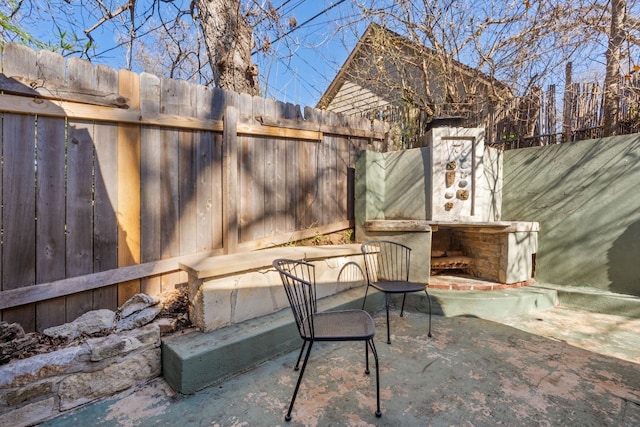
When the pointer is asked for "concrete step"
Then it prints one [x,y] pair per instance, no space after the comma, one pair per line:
[595,300]
[195,360]
[485,304]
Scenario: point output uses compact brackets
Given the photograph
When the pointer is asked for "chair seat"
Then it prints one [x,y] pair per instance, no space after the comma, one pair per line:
[398,287]
[347,325]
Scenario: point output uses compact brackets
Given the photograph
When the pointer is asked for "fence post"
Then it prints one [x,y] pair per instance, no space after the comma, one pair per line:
[230,180]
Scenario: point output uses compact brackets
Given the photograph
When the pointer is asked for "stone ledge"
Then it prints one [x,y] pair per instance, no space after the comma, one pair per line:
[41,387]
[224,265]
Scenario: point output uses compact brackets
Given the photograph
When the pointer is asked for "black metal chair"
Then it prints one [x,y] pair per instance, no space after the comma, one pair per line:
[387,270]
[298,278]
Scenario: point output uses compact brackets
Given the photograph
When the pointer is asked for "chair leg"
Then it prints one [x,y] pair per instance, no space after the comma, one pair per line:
[404,297]
[366,352]
[375,357]
[429,299]
[304,344]
[366,291]
[386,303]
[295,392]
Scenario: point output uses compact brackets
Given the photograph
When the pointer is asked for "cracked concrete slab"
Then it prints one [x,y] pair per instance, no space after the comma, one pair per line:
[557,367]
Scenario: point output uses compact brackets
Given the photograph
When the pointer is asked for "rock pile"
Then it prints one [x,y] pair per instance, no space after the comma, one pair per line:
[138,311]
[100,353]
[13,340]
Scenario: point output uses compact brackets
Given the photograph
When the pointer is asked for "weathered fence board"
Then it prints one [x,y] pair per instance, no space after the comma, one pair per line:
[128,178]
[105,203]
[203,169]
[79,203]
[18,219]
[150,182]
[50,196]
[187,178]
[278,177]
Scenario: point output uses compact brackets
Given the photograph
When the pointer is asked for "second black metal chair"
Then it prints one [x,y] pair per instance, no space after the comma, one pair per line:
[387,270]
[298,278]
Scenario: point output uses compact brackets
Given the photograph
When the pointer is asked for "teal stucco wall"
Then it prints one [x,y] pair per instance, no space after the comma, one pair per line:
[586,197]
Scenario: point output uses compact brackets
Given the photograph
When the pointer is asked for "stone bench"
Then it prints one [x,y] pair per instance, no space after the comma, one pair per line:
[241,310]
[231,289]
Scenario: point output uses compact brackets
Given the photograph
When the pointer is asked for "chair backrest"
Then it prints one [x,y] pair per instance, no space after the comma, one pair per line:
[385,260]
[299,281]
[351,275]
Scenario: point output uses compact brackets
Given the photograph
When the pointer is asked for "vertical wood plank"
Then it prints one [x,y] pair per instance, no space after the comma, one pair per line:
[128,212]
[270,192]
[18,183]
[150,182]
[284,202]
[246,190]
[170,193]
[50,196]
[331,183]
[170,180]
[219,100]
[342,171]
[204,166]
[312,210]
[321,206]
[187,174]
[312,176]
[259,166]
[230,180]
[306,164]
[79,206]
[105,166]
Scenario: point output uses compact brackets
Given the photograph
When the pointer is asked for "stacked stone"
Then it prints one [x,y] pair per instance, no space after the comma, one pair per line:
[14,341]
[41,387]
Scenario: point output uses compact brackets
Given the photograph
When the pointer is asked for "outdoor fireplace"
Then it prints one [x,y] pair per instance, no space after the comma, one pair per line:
[444,200]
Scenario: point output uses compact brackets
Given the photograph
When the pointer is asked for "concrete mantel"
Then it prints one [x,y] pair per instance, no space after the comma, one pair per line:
[413,225]
[487,227]
[377,225]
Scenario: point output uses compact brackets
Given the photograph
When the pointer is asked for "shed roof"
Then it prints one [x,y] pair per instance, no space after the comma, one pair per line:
[365,40]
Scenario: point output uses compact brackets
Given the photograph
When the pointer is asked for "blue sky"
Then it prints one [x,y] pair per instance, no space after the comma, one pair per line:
[320,47]
[298,69]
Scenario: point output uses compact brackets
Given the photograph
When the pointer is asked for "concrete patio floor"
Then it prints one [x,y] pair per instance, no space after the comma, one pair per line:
[559,367]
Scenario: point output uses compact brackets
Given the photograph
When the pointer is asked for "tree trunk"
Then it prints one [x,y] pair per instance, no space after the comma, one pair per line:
[611,103]
[229,39]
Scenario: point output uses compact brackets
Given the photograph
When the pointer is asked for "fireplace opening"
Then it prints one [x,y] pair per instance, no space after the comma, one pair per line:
[448,255]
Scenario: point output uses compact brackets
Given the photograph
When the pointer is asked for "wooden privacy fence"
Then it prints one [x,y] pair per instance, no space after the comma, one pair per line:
[110,179]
